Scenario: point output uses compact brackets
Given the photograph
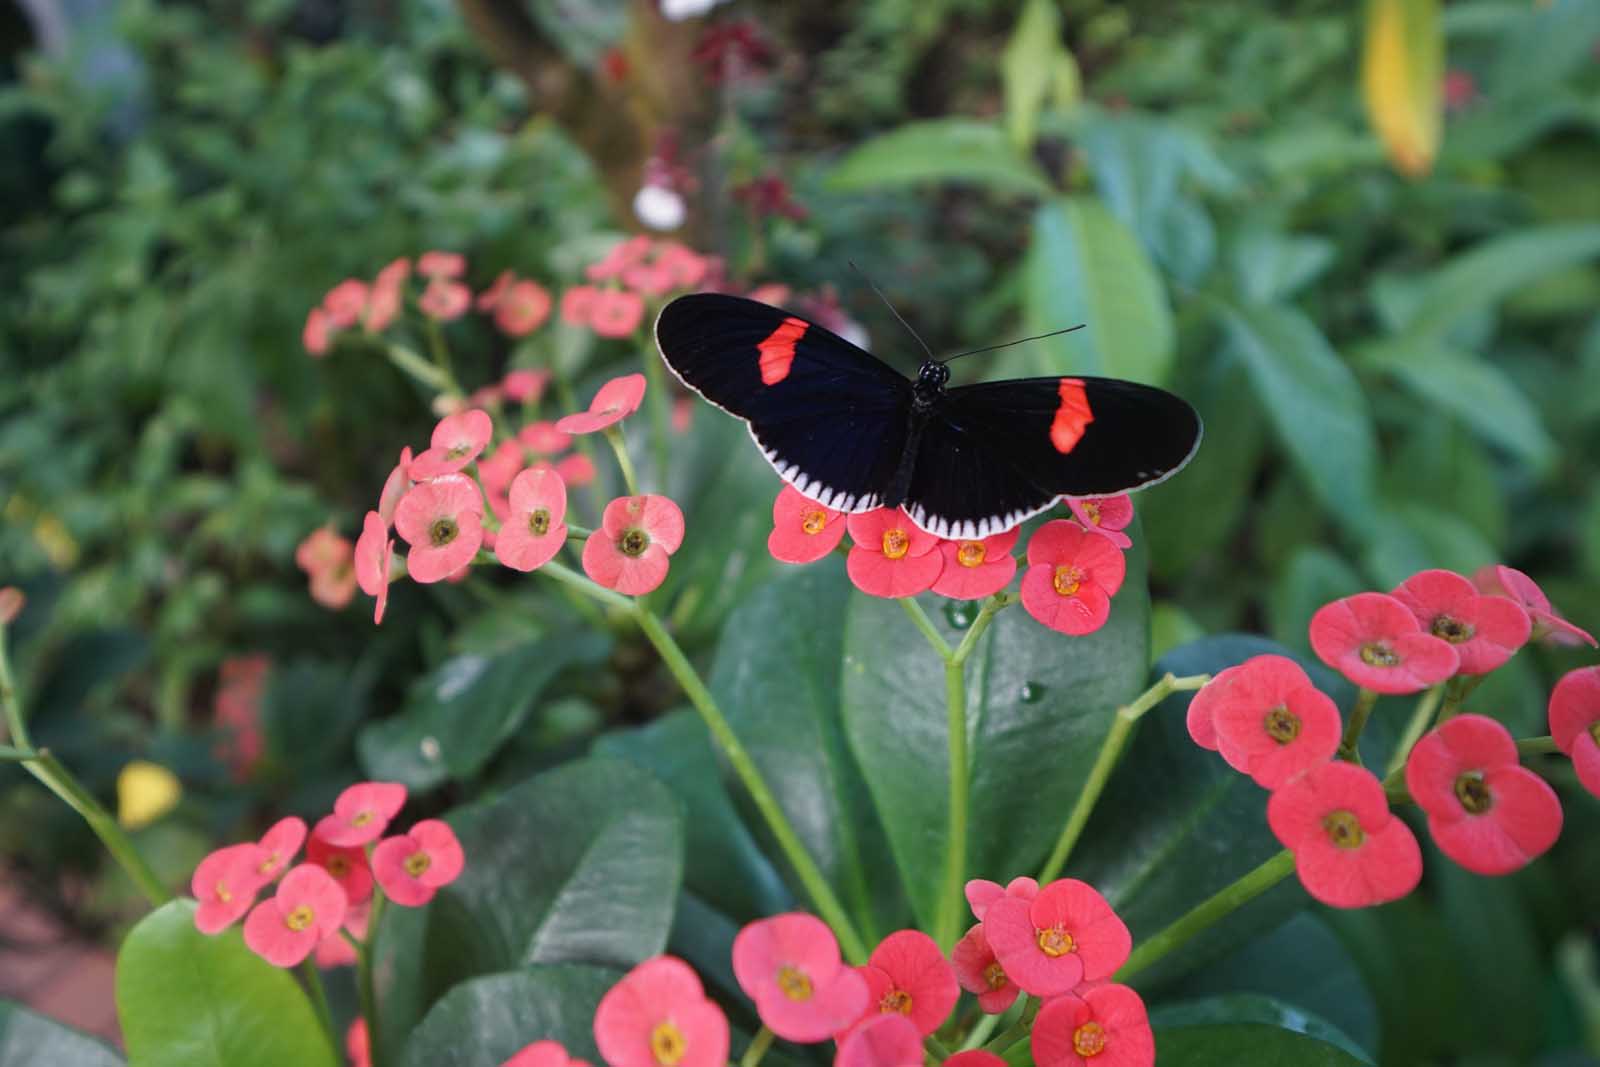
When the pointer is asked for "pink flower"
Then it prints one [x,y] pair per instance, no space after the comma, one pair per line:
[892,556]
[362,813]
[881,1041]
[356,1044]
[616,313]
[685,267]
[544,1054]
[648,279]
[616,400]
[1575,723]
[543,439]
[346,863]
[490,298]
[317,334]
[237,708]
[979,971]
[1272,723]
[974,1057]
[981,893]
[1065,934]
[279,846]
[1349,849]
[1104,515]
[1106,1027]
[329,561]
[225,884]
[12,602]
[395,486]
[659,1016]
[416,864]
[976,569]
[445,300]
[441,265]
[577,470]
[1374,640]
[335,950]
[629,552]
[577,305]
[374,556]
[383,301]
[908,975]
[1547,623]
[442,521]
[1486,630]
[525,386]
[457,440]
[1200,717]
[523,309]
[499,467]
[345,303]
[1486,811]
[1072,576]
[309,906]
[533,532]
[803,531]
[623,255]
[789,965]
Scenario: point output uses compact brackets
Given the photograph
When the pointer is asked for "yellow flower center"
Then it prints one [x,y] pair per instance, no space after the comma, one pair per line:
[269,864]
[1054,941]
[224,894]
[667,1044]
[1089,1040]
[1378,654]
[1343,829]
[362,818]
[1282,725]
[896,1000]
[1473,793]
[1594,731]
[338,866]
[995,975]
[442,532]
[1067,579]
[1453,630]
[895,543]
[300,918]
[457,450]
[417,863]
[971,554]
[794,982]
[813,521]
[634,542]
[1091,511]
[539,522]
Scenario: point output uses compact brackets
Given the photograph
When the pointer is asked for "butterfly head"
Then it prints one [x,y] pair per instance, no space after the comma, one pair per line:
[931,378]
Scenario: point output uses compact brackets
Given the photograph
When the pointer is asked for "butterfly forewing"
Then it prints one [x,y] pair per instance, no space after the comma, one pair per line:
[829,417]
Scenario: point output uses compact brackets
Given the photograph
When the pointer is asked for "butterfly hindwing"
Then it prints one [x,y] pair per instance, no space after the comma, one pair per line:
[830,417]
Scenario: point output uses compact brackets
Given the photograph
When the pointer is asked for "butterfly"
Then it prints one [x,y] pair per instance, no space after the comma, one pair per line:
[852,433]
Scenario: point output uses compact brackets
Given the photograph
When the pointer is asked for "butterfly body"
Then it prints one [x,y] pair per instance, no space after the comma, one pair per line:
[852,433]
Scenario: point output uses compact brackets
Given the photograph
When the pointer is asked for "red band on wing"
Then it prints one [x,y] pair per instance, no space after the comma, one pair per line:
[1072,417]
[777,351]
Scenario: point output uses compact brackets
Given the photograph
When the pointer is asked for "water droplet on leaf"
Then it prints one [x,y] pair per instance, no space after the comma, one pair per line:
[1031,693]
[959,613]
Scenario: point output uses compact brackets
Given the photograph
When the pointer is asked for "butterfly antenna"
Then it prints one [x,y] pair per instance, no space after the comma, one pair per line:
[1018,341]
[892,310]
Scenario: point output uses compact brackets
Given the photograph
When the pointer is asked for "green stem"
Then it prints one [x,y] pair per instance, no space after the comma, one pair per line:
[1116,740]
[577,581]
[947,921]
[991,607]
[936,1047]
[925,624]
[794,851]
[980,1033]
[1221,904]
[1420,718]
[659,401]
[758,1048]
[319,1000]
[9,754]
[366,979]
[440,353]
[1537,746]
[425,373]
[629,478]
[1018,1030]
[1359,714]
[1456,691]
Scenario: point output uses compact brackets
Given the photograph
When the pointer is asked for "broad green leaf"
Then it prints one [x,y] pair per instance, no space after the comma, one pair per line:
[1313,577]
[728,871]
[1402,64]
[485,1021]
[1313,402]
[1493,269]
[1028,69]
[940,150]
[777,678]
[458,715]
[29,1040]
[1038,704]
[1247,1044]
[188,1000]
[1472,389]
[577,865]
[1270,265]
[1405,538]
[1085,267]
[1176,823]
[1543,46]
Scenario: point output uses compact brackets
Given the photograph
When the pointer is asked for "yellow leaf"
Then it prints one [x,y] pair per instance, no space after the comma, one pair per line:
[1400,80]
[145,792]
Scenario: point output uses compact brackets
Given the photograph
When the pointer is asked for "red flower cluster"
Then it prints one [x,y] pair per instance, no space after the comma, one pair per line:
[1074,569]
[329,560]
[237,711]
[321,901]
[634,271]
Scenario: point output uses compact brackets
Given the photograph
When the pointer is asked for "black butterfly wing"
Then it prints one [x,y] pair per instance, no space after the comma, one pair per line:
[829,417]
[996,453]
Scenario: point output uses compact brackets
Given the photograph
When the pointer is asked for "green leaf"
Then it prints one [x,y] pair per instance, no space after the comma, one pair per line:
[458,715]
[1473,390]
[188,1000]
[1270,265]
[1027,68]
[577,865]
[1038,704]
[1086,267]
[485,1021]
[29,1040]
[939,150]
[1248,1032]
[1496,268]
[776,677]
[1313,402]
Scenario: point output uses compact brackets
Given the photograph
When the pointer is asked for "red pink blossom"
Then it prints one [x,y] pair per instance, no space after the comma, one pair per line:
[442,521]
[1575,723]
[615,401]
[803,530]
[361,813]
[1105,1027]
[285,928]
[457,441]
[659,1016]
[1104,515]
[534,531]
[1548,625]
[1050,944]
[1350,851]
[629,553]
[1375,641]
[414,865]
[1072,576]
[892,556]
[1486,630]
[790,966]
[976,569]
